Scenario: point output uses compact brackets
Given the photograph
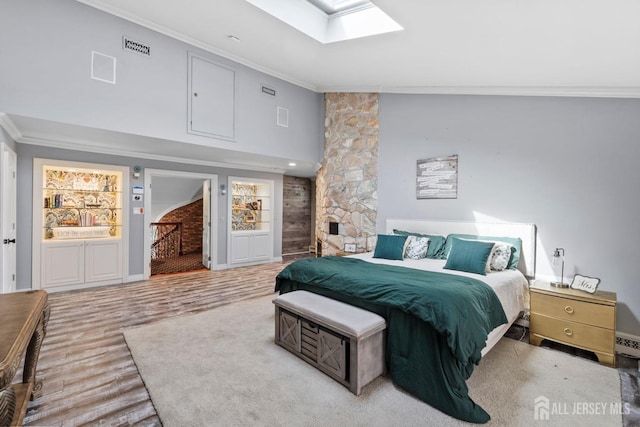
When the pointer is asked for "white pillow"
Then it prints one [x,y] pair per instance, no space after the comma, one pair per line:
[417,247]
[499,257]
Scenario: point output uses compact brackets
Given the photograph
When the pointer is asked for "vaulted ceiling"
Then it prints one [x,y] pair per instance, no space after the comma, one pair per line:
[525,47]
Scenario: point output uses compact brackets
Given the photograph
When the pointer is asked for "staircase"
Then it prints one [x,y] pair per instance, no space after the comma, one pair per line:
[167,240]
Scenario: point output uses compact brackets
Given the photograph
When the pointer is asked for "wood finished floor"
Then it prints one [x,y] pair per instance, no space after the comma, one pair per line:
[89,376]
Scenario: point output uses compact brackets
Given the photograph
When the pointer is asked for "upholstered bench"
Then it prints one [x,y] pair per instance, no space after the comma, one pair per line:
[343,341]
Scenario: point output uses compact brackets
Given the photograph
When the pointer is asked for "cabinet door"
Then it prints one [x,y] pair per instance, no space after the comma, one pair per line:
[211,104]
[62,264]
[261,247]
[103,260]
[240,248]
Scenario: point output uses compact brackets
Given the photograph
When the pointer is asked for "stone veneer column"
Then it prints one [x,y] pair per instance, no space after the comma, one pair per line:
[347,183]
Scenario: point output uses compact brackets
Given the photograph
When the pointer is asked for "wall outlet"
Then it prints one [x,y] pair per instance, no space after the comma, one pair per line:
[349,247]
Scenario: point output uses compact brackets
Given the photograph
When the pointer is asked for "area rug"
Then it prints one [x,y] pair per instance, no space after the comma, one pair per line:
[222,368]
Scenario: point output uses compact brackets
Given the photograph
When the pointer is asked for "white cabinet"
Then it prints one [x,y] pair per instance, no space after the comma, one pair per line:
[62,263]
[103,260]
[77,262]
[248,246]
[80,224]
[251,220]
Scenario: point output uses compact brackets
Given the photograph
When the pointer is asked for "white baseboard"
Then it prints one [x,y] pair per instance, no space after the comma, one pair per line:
[135,278]
[80,286]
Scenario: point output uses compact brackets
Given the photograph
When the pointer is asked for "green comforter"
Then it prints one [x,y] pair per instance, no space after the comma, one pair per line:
[437,323]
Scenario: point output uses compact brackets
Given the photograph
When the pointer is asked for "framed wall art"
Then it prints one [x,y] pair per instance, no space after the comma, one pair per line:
[437,178]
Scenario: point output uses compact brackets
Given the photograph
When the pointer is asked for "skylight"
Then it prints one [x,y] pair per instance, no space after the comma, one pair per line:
[330,21]
[334,6]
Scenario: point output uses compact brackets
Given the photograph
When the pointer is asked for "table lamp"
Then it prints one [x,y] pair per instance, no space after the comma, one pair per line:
[558,259]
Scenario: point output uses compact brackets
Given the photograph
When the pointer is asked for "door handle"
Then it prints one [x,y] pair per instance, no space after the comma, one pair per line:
[7,241]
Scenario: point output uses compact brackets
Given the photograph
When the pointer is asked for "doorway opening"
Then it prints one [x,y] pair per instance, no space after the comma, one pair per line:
[176,240]
[178,216]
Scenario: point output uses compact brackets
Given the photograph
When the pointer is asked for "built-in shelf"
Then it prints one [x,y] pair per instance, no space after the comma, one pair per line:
[250,209]
[81,203]
[250,206]
[80,225]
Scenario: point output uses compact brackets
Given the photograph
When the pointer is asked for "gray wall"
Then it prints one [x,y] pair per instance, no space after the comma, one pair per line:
[568,165]
[26,154]
[45,73]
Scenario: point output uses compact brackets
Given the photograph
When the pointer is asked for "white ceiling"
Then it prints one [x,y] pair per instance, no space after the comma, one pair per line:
[526,47]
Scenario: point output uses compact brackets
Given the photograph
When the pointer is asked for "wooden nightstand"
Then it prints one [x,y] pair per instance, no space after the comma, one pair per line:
[343,253]
[575,318]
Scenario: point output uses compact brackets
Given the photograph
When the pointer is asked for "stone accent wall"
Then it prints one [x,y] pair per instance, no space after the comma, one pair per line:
[296,215]
[191,217]
[347,183]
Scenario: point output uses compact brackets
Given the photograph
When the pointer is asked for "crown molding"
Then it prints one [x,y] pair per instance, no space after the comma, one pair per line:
[560,91]
[7,124]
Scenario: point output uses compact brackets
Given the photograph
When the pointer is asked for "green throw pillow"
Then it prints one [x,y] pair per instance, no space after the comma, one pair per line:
[516,242]
[469,256]
[390,247]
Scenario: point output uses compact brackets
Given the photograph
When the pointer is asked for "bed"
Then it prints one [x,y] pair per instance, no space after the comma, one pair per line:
[440,321]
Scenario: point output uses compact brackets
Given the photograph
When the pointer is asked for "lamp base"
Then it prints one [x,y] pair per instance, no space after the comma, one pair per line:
[559,285]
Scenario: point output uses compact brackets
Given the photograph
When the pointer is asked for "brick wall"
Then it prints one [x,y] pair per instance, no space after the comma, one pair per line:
[191,217]
[296,215]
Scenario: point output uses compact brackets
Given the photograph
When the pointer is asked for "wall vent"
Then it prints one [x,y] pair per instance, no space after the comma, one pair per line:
[268,91]
[135,47]
[627,344]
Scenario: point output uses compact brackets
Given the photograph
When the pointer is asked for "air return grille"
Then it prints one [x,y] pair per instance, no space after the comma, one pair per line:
[268,91]
[135,47]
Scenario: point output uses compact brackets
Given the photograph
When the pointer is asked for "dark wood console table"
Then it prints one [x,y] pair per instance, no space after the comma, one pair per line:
[23,324]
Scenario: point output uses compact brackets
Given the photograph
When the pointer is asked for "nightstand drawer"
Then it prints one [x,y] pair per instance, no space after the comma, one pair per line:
[572,310]
[572,333]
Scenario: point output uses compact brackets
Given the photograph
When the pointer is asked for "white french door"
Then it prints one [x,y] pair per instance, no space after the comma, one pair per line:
[8,160]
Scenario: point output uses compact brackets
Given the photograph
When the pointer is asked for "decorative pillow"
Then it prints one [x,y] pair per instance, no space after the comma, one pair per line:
[436,243]
[417,247]
[390,247]
[468,255]
[500,256]
[515,242]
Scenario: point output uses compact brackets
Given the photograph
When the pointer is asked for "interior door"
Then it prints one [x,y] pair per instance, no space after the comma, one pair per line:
[8,219]
[206,223]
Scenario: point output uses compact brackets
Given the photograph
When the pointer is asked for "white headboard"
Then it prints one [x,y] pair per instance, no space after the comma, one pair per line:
[526,232]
